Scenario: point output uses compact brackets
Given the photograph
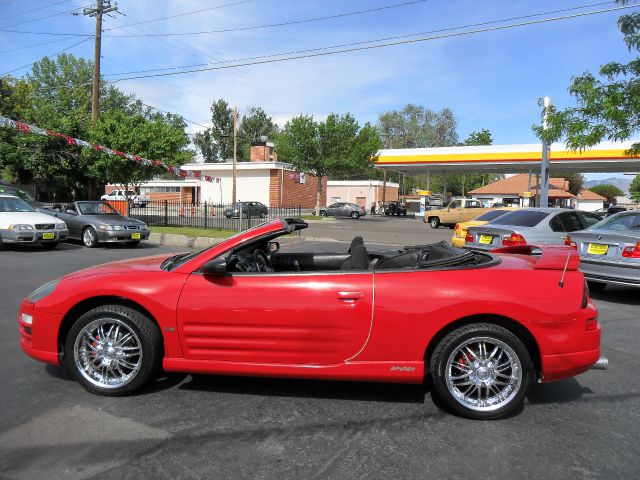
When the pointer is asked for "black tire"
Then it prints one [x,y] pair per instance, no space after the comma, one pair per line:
[355,215]
[49,245]
[434,222]
[404,214]
[90,237]
[323,213]
[444,352]
[1,244]
[133,243]
[263,215]
[596,286]
[144,328]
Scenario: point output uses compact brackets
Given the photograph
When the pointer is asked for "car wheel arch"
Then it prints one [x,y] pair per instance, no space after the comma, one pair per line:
[515,327]
[87,304]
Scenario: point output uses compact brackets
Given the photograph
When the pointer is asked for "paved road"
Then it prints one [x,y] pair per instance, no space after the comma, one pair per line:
[191,427]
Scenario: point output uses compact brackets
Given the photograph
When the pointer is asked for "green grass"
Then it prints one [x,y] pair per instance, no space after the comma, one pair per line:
[312,217]
[195,232]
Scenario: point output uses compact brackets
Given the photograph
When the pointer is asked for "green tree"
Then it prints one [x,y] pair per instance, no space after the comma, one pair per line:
[155,136]
[576,180]
[634,189]
[608,105]
[417,126]
[253,125]
[483,137]
[608,190]
[337,146]
[216,142]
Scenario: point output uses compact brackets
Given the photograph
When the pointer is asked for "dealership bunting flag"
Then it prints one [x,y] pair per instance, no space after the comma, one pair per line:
[25,128]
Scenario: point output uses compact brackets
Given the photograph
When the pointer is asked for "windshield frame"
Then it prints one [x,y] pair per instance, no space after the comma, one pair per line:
[79,206]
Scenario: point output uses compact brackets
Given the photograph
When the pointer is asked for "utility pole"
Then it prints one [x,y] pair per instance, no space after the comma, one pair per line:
[235,151]
[102,7]
[544,167]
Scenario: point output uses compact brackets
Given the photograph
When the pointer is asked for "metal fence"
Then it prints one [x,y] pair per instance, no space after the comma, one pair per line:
[204,215]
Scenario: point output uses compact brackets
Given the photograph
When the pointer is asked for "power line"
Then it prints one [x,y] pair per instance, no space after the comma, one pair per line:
[355,46]
[38,44]
[52,55]
[182,14]
[24,12]
[280,24]
[43,17]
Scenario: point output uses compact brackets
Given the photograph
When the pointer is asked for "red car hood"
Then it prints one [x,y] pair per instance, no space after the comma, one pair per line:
[136,265]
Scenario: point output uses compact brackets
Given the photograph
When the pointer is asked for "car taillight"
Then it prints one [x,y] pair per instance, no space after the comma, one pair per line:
[570,243]
[468,238]
[631,252]
[514,240]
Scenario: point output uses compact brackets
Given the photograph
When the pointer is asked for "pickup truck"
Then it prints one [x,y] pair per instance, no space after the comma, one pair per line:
[458,210]
[118,195]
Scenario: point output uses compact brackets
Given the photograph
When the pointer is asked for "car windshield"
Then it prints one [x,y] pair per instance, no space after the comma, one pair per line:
[96,208]
[621,223]
[521,218]
[10,204]
[491,215]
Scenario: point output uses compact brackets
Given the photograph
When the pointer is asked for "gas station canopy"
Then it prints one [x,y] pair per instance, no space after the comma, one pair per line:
[605,157]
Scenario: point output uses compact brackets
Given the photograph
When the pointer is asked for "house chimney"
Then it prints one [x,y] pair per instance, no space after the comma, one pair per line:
[262,151]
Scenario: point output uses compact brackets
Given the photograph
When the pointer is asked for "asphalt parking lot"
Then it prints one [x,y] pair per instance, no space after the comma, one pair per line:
[195,427]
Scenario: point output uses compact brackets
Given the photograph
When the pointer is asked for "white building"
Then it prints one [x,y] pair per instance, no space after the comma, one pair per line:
[364,193]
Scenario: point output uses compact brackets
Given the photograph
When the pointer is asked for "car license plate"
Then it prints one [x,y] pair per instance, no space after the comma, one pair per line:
[486,239]
[597,249]
[48,236]
[135,236]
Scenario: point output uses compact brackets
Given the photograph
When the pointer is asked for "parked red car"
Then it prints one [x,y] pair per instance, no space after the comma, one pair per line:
[243,308]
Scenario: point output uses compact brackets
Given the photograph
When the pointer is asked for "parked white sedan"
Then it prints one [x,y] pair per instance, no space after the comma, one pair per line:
[20,223]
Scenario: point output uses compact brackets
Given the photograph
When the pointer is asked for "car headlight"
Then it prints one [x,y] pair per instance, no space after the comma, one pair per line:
[142,226]
[20,226]
[44,291]
[61,226]
[111,227]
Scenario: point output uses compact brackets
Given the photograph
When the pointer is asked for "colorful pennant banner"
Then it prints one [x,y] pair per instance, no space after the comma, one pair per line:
[26,128]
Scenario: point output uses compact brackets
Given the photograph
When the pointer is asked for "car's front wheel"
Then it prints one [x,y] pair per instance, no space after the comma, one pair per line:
[90,237]
[323,213]
[113,350]
[481,371]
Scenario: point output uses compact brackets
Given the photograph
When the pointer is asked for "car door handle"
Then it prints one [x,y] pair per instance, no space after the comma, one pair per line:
[350,295]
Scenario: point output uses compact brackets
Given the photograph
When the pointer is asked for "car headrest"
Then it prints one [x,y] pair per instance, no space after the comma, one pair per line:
[355,242]
[359,258]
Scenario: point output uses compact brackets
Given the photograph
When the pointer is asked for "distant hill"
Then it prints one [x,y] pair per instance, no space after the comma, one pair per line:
[621,183]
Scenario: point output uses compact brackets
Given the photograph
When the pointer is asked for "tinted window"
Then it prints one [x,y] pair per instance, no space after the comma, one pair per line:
[521,218]
[491,215]
[556,224]
[590,218]
[571,221]
[619,223]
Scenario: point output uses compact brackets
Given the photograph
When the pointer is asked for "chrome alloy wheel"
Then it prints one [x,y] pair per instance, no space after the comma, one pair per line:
[107,353]
[483,374]
[89,237]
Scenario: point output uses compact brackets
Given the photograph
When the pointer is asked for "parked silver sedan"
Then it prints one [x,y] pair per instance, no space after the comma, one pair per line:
[529,226]
[610,251]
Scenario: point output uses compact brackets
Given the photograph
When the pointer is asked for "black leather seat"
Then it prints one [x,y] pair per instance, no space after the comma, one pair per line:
[404,260]
[358,260]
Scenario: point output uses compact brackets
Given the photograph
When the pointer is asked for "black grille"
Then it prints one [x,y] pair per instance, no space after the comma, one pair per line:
[131,227]
[45,226]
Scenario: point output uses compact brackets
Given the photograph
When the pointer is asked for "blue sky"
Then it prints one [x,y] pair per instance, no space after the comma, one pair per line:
[490,80]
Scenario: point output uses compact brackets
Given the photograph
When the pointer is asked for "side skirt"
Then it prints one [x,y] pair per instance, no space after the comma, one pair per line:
[391,372]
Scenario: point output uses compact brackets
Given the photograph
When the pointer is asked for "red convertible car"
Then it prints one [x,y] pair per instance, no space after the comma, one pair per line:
[484,325]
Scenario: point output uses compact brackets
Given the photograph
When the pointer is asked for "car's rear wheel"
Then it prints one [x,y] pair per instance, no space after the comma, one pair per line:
[113,350]
[481,371]
[49,245]
[355,215]
[434,222]
[89,237]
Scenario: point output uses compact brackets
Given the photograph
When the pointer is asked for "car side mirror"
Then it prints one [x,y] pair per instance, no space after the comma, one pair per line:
[273,247]
[217,266]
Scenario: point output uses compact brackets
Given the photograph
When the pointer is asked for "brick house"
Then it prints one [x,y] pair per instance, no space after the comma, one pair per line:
[263,179]
[513,191]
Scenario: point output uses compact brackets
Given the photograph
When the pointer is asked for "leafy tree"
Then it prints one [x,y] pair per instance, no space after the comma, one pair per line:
[151,135]
[634,189]
[253,125]
[576,180]
[483,137]
[416,126]
[608,105]
[337,146]
[216,143]
[607,190]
